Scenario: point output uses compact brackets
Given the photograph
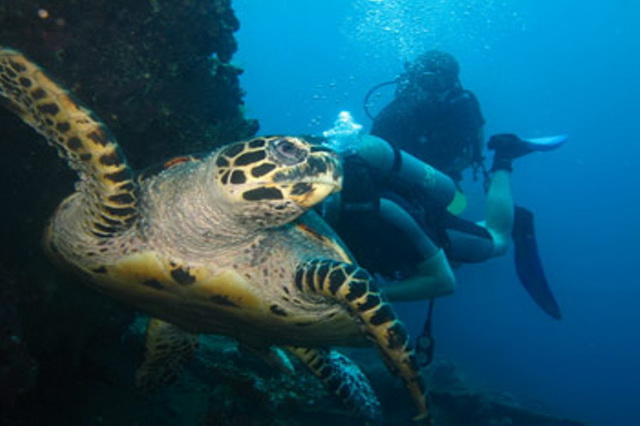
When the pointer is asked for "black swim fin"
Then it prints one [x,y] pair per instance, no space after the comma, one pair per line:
[528,264]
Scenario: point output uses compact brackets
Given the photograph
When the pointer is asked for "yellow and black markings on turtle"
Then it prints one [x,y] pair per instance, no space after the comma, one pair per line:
[79,138]
[224,244]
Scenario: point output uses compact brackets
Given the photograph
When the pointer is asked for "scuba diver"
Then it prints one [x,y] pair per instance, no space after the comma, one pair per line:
[438,121]
[432,116]
[393,198]
[383,182]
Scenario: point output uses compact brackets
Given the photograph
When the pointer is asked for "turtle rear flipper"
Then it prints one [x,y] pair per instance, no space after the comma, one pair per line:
[343,378]
[168,349]
[81,139]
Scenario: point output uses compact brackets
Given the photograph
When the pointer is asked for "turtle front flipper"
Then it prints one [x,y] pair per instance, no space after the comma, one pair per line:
[82,140]
[355,289]
[168,350]
[343,378]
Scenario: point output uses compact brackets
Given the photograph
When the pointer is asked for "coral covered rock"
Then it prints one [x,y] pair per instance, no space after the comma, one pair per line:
[159,73]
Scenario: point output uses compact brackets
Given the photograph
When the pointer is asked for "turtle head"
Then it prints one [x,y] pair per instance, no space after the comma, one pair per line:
[272,180]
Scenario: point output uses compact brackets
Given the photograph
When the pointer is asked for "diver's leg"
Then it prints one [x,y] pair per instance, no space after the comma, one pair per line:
[499,207]
[499,203]
[499,211]
[434,276]
[508,147]
[469,247]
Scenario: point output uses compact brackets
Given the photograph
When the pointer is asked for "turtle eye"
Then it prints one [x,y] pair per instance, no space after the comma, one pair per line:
[288,152]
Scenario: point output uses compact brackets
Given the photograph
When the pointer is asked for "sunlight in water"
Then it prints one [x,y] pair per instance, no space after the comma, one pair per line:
[404,28]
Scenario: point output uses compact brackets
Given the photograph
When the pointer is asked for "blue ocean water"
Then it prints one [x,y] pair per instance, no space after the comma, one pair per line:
[538,67]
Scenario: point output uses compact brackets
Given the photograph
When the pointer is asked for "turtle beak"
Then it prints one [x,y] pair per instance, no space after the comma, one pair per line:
[322,177]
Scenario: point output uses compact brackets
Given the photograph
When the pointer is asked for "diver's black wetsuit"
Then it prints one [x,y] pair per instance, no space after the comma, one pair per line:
[437,121]
[378,245]
[443,130]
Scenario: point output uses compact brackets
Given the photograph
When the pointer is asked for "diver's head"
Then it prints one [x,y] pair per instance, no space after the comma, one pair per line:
[434,71]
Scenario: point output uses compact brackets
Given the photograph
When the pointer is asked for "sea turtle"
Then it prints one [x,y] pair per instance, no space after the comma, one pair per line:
[223,244]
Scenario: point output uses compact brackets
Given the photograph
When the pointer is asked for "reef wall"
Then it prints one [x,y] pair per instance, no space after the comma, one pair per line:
[158,72]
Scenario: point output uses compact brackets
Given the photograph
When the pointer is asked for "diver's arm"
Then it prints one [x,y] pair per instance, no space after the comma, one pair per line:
[479,144]
[474,123]
[434,276]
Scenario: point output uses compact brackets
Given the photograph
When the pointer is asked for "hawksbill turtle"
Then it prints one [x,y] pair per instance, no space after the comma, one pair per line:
[224,244]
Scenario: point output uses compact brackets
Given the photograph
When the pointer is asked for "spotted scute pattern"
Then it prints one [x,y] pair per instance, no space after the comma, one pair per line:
[223,244]
[263,169]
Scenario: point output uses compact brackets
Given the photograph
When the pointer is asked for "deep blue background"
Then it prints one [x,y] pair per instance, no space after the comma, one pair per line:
[539,67]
